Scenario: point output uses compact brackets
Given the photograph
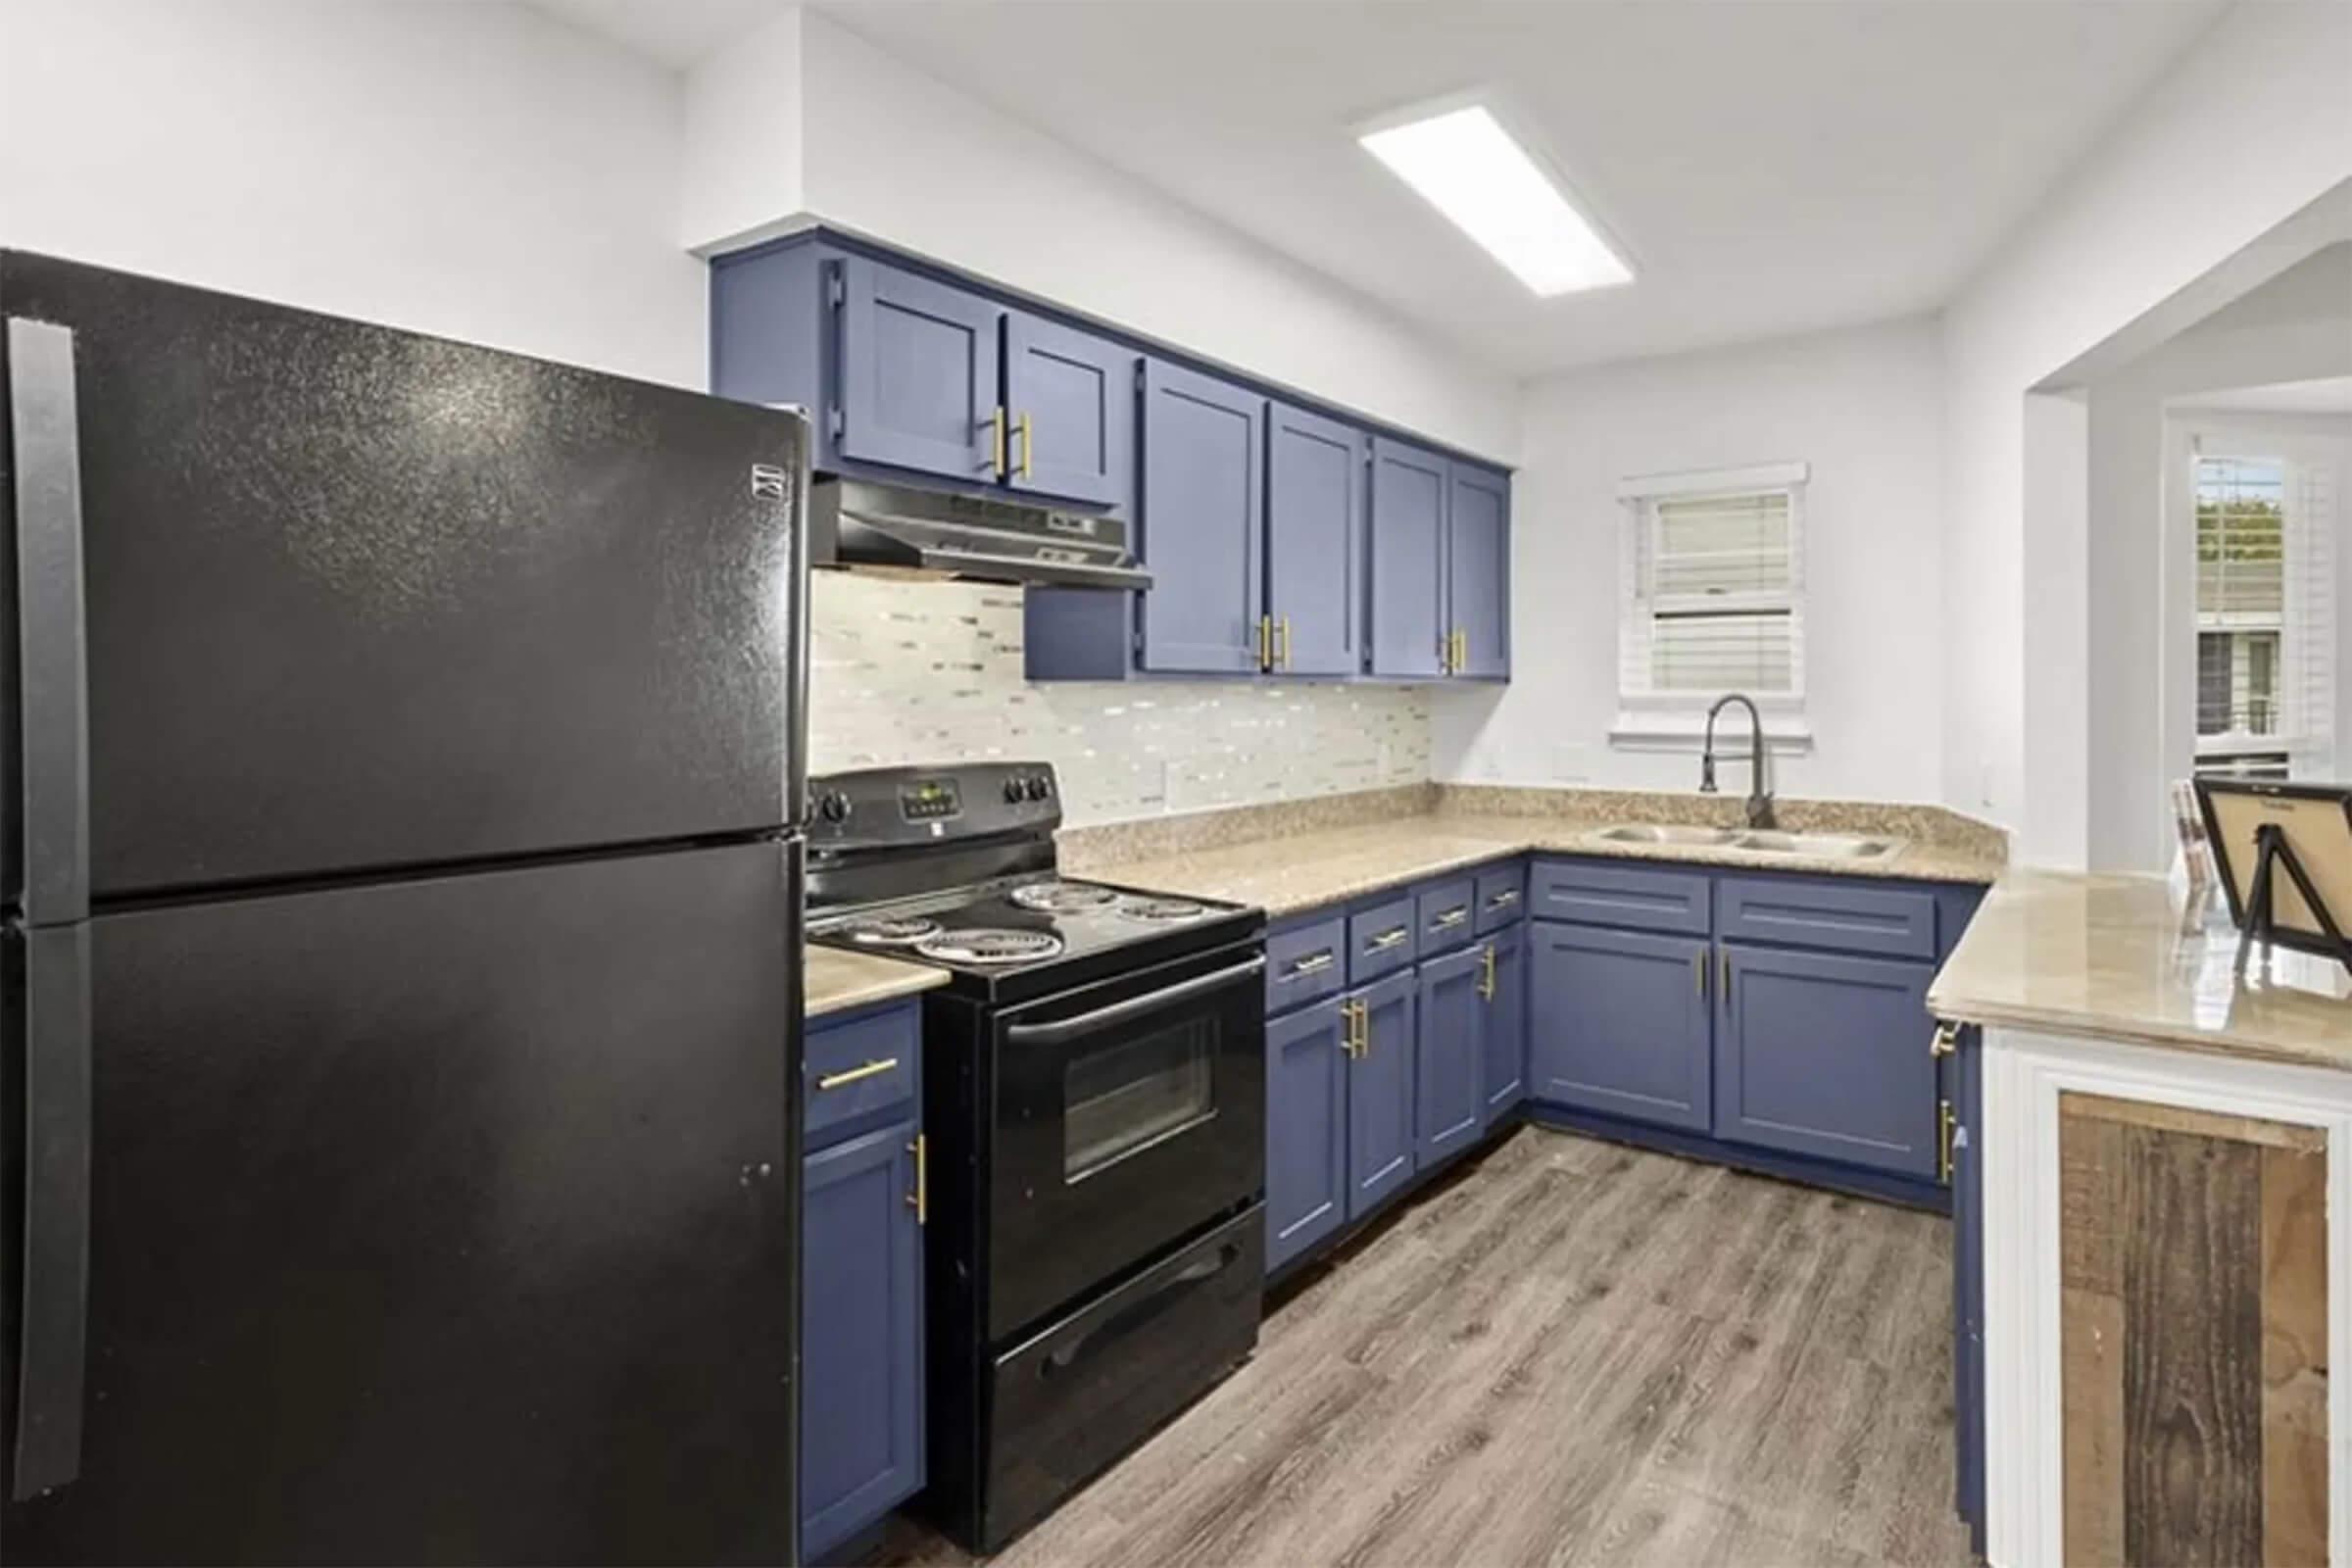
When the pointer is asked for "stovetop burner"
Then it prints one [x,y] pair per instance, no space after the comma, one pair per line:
[1163,908]
[989,946]
[890,931]
[1063,897]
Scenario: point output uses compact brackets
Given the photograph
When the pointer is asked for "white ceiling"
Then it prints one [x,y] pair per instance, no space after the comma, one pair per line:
[2333,395]
[1772,167]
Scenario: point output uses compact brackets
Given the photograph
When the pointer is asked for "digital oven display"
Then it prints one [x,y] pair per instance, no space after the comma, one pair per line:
[927,799]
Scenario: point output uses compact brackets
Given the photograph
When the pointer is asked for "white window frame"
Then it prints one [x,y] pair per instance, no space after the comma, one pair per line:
[1675,721]
[2306,718]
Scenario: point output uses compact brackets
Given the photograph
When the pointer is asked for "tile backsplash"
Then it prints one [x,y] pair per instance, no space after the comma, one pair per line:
[905,671]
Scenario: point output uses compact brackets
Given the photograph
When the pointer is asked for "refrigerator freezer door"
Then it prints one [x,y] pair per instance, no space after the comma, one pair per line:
[442,1220]
[358,599]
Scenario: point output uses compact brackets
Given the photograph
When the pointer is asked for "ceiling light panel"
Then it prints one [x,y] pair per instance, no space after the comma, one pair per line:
[1468,168]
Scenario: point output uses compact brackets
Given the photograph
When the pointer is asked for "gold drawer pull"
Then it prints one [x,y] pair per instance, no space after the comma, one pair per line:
[1314,963]
[873,1069]
[920,1199]
[1451,919]
[1504,900]
[1389,939]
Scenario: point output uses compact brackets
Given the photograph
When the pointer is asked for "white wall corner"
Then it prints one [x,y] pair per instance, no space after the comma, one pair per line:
[743,175]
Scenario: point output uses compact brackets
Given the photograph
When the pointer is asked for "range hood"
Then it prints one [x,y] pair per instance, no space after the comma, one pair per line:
[858,522]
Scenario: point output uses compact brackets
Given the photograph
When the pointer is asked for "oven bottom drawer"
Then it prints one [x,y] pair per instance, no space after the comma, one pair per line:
[1081,1394]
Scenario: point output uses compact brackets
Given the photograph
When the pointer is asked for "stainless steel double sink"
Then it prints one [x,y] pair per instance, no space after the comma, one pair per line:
[1759,841]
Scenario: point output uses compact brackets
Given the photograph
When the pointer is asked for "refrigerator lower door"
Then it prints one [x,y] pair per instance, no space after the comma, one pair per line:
[443,1221]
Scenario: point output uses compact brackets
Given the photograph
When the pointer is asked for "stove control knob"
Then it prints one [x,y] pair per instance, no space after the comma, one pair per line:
[1014,793]
[1039,787]
[833,807]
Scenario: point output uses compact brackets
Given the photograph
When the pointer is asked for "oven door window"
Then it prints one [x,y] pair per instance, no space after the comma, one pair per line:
[1127,1096]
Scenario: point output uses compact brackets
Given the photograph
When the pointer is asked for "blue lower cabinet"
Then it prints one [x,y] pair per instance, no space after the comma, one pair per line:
[1505,1032]
[1619,1023]
[1826,1055]
[1381,1081]
[1968,1287]
[1450,1108]
[1306,1128]
[862,1347]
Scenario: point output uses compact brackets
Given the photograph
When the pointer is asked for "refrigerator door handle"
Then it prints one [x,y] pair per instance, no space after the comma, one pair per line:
[52,660]
[56,1274]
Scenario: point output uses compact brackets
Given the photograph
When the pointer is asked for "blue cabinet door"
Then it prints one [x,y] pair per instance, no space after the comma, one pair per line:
[1315,503]
[862,1349]
[1408,560]
[1618,1021]
[1826,1055]
[1380,1094]
[1070,399]
[1306,1129]
[1505,1028]
[1478,567]
[1449,1102]
[1202,509]
[919,364]
[1966,1075]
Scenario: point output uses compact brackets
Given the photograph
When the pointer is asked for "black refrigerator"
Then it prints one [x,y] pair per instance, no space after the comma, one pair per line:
[403,945]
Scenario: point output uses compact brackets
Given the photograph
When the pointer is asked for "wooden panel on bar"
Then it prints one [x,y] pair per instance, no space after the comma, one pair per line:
[2194,1335]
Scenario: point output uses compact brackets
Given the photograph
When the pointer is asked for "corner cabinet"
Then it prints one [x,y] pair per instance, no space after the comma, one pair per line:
[1283,539]
[863,1207]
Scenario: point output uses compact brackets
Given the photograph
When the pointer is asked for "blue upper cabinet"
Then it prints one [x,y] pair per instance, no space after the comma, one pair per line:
[1069,402]
[1409,627]
[1201,514]
[1315,505]
[1478,569]
[919,373]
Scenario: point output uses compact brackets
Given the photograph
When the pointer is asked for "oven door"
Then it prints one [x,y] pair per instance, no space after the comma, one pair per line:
[1127,1115]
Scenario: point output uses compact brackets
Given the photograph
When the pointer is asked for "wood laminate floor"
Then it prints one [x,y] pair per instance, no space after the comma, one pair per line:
[1572,1352]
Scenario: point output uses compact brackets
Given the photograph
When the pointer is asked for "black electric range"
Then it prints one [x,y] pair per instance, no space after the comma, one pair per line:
[1095,1106]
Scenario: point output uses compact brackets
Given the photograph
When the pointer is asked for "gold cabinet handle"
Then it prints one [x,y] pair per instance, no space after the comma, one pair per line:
[1028,435]
[1352,1041]
[1486,981]
[873,1069]
[1265,642]
[997,442]
[1389,939]
[1363,1029]
[1943,1141]
[1445,655]
[1461,651]
[1699,971]
[1727,974]
[920,1199]
[1316,963]
[1282,629]
[1947,1040]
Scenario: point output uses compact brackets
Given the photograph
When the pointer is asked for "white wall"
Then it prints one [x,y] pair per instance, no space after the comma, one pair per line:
[906,158]
[743,163]
[1863,408]
[479,170]
[2140,661]
[2254,124]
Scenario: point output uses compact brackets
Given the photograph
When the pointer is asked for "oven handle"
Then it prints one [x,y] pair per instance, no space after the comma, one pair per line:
[1166,1294]
[1062,1029]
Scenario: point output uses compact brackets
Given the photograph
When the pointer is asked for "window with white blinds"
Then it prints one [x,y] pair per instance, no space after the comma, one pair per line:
[2266,611]
[1713,588]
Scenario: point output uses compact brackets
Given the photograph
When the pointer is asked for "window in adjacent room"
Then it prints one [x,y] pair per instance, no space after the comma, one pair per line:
[1713,600]
[2265,615]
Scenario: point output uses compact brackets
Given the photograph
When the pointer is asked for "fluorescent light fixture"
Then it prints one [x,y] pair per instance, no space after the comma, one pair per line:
[1470,170]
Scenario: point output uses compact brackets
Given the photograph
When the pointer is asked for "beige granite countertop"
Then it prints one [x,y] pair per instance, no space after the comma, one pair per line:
[1304,870]
[2123,957]
[839,980]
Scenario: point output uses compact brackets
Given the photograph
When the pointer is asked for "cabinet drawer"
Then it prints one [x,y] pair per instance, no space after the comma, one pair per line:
[1848,916]
[1446,914]
[860,1069]
[1306,963]
[1630,896]
[1502,897]
[1380,940]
